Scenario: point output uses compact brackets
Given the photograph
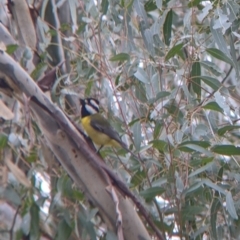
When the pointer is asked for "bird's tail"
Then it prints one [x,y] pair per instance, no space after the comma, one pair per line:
[124,146]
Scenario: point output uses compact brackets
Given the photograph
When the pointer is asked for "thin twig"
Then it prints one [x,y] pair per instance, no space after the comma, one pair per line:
[13,223]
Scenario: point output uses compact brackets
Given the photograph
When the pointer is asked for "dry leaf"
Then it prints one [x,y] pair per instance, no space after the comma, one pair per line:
[5,112]
[18,173]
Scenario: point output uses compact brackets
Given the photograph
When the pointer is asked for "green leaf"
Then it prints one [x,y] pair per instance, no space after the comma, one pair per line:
[213,106]
[63,231]
[174,110]
[141,75]
[194,187]
[194,3]
[223,130]
[64,185]
[179,184]
[211,82]
[129,4]
[211,67]
[191,146]
[196,78]
[86,224]
[199,232]
[160,145]
[217,34]
[227,150]
[88,88]
[189,212]
[32,157]
[52,32]
[219,55]
[233,53]
[137,135]
[174,51]
[216,205]
[230,206]
[150,6]
[167,28]
[104,6]
[11,195]
[201,169]
[139,8]
[11,48]
[157,129]
[117,79]
[214,186]
[81,27]
[26,223]
[197,148]
[39,70]
[151,193]
[3,141]
[120,57]
[203,144]
[65,27]
[140,92]
[137,178]
[35,223]
[162,94]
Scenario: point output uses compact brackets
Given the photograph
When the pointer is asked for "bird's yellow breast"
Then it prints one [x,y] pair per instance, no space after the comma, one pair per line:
[97,137]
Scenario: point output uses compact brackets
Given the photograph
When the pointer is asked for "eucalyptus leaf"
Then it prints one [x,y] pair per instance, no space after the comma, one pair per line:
[11,48]
[167,28]
[215,207]
[137,135]
[139,7]
[227,150]
[150,193]
[213,106]
[35,221]
[223,130]
[150,5]
[11,195]
[194,3]
[219,55]
[159,4]
[26,223]
[104,6]
[211,82]
[3,141]
[205,11]
[221,101]
[141,75]
[120,57]
[202,169]
[63,230]
[196,78]
[230,206]
[174,51]
[222,22]
[212,67]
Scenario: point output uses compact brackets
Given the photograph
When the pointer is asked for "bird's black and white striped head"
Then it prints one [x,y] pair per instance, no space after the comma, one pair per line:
[89,106]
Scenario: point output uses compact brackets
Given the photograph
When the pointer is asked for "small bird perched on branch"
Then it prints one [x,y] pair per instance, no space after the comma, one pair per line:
[97,127]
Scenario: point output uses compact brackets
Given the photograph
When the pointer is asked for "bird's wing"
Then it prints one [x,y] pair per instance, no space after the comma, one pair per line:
[99,123]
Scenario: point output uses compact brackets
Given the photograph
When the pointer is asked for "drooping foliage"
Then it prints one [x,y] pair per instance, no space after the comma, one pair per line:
[167,76]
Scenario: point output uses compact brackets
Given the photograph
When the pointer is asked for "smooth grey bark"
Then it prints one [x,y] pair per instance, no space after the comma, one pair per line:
[81,163]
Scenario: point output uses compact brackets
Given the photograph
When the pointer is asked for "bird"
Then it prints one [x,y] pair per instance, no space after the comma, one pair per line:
[97,127]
